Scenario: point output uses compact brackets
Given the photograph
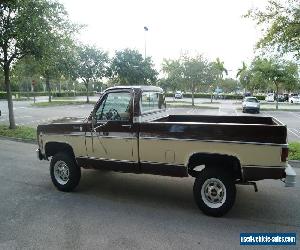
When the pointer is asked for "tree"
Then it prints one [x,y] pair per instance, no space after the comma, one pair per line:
[92,65]
[194,71]
[24,72]
[129,67]
[174,74]
[281,20]
[229,85]
[243,75]
[217,69]
[275,72]
[28,27]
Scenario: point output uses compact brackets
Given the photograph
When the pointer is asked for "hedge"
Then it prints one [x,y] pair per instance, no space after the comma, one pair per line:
[55,94]
[225,96]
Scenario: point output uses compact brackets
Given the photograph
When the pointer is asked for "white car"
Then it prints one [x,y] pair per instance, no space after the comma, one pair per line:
[294,99]
[251,103]
[178,95]
[270,97]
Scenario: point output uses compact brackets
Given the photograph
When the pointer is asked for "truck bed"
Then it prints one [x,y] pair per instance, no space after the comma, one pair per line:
[252,129]
[221,119]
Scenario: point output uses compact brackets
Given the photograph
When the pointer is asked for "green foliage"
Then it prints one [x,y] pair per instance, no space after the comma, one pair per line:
[229,85]
[21,132]
[194,70]
[92,63]
[270,74]
[57,103]
[294,151]
[206,95]
[174,75]
[128,67]
[29,27]
[187,72]
[3,95]
[281,23]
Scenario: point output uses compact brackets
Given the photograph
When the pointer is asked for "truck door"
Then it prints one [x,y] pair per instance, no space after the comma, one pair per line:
[113,135]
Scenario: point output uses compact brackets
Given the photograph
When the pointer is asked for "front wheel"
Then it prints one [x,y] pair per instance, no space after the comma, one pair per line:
[65,173]
[214,191]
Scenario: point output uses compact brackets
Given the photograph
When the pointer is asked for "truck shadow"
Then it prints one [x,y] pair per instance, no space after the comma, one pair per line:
[146,190]
[272,204]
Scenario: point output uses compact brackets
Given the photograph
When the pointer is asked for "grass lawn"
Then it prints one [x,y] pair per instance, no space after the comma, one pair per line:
[184,105]
[59,103]
[294,151]
[20,132]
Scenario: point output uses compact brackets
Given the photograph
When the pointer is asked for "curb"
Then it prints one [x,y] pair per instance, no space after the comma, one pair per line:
[294,163]
[18,139]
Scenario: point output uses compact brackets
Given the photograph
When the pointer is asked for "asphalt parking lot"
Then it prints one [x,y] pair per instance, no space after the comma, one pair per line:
[126,211]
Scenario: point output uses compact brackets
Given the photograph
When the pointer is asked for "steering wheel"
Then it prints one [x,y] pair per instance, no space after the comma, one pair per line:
[113,114]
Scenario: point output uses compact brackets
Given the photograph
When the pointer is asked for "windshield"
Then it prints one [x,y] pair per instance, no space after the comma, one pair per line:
[251,100]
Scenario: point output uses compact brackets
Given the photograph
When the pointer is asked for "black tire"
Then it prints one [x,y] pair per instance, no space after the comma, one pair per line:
[209,175]
[65,161]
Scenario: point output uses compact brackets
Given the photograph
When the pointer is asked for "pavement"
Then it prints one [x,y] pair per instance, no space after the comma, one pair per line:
[28,115]
[126,211]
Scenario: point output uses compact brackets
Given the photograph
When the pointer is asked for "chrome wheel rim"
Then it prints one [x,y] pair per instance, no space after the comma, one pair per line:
[61,172]
[213,193]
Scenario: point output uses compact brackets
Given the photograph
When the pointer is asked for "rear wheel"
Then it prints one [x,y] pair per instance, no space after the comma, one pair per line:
[65,174]
[214,191]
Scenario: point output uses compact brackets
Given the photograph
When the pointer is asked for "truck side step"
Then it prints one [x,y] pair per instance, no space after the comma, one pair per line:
[252,183]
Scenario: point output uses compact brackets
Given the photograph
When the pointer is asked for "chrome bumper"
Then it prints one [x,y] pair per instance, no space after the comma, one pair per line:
[39,155]
[290,179]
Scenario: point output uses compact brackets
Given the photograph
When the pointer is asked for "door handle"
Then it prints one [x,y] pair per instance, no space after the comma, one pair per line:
[126,126]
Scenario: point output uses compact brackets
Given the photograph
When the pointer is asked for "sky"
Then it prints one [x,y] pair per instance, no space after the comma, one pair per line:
[214,28]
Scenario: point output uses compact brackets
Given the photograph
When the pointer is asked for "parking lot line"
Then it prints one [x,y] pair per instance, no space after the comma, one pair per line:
[298,116]
[291,131]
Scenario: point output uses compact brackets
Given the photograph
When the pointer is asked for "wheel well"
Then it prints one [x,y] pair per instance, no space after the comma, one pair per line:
[52,148]
[228,162]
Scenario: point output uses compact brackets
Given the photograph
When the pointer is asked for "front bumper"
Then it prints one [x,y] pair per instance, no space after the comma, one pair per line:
[290,176]
[39,155]
[251,108]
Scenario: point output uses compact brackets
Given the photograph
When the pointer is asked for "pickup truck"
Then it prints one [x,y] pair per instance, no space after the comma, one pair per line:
[130,130]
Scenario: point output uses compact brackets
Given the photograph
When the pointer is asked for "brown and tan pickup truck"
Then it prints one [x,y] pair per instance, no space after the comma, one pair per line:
[130,130]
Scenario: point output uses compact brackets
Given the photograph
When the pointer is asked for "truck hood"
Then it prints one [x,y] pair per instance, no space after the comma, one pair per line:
[64,126]
[69,120]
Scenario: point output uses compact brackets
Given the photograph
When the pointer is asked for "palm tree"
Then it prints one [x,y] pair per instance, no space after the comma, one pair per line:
[244,77]
[220,70]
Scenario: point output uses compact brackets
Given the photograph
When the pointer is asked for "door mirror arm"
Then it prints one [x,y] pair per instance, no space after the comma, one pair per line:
[100,126]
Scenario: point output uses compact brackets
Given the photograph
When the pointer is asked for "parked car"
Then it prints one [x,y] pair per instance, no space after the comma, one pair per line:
[178,95]
[295,99]
[270,97]
[251,104]
[129,130]
[246,94]
[280,98]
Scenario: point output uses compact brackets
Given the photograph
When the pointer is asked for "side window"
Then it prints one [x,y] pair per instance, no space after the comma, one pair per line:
[116,107]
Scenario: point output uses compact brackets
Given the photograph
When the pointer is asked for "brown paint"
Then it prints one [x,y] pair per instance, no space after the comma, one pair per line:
[259,173]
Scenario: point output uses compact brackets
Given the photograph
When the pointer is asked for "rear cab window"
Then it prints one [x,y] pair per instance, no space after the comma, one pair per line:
[151,102]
